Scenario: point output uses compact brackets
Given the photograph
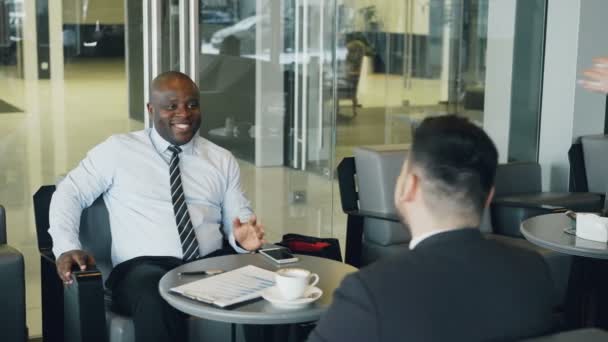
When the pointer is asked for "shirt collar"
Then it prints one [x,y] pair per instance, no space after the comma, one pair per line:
[161,145]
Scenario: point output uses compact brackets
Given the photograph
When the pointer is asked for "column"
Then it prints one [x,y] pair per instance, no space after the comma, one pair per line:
[575,31]
[499,73]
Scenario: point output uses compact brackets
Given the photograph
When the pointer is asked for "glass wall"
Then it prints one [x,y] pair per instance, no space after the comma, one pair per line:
[63,89]
[404,61]
[290,87]
[266,73]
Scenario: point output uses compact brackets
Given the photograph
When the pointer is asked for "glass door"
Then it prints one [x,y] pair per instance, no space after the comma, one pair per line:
[442,59]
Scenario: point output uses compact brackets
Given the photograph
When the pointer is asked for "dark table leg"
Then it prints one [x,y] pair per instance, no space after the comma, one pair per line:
[276,333]
[587,298]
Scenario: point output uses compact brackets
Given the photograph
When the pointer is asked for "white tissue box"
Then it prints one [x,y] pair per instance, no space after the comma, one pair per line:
[592,227]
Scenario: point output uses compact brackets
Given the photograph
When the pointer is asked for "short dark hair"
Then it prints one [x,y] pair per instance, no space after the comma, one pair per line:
[458,160]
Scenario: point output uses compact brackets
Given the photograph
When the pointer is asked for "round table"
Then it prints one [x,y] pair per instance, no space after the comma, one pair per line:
[259,311]
[586,300]
[548,231]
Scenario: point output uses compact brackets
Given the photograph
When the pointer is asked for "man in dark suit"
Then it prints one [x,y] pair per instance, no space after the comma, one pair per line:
[452,284]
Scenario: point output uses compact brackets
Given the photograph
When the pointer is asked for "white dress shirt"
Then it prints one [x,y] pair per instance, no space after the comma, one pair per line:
[131,171]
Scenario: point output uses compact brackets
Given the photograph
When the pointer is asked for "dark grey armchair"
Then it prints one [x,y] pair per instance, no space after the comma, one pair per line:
[519,195]
[83,310]
[77,312]
[588,158]
[12,289]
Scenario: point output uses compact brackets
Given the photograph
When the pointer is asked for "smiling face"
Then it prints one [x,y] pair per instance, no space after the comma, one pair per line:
[174,108]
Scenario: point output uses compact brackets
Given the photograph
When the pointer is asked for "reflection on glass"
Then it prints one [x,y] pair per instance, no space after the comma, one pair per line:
[11,37]
[266,82]
[419,59]
[296,84]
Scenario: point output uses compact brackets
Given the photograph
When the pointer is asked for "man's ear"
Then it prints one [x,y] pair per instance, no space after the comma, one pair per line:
[408,187]
[150,111]
[489,198]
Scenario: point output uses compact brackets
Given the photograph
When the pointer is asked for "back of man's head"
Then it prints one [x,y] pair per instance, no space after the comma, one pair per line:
[457,165]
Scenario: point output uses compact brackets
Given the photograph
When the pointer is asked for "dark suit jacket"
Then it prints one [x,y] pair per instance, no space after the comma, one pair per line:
[454,286]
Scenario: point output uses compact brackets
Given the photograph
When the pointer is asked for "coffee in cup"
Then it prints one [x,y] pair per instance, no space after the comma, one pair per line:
[293,282]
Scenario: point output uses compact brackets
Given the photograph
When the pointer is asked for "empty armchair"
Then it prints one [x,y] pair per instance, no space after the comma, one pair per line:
[519,195]
[12,289]
[373,228]
[589,164]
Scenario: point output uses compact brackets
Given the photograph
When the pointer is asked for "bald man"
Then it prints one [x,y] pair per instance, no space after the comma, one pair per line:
[172,197]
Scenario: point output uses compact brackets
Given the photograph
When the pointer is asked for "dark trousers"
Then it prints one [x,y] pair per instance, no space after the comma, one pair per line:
[134,286]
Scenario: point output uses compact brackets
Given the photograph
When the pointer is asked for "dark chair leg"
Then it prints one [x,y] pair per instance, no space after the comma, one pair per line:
[52,302]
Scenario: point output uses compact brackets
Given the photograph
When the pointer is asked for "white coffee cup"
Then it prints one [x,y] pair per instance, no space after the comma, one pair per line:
[293,282]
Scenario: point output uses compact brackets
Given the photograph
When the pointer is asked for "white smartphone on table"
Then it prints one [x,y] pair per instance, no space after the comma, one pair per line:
[280,255]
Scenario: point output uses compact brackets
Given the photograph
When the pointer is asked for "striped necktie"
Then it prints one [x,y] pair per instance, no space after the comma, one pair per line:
[182,217]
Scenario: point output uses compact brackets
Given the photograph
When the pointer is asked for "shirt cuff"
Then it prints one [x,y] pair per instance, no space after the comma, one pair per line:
[236,246]
[62,247]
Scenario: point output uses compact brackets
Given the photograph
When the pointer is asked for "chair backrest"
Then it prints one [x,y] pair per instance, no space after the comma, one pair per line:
[95,236]
[377,171]
[595,156]
[2,226]
[42,202]
[517,178]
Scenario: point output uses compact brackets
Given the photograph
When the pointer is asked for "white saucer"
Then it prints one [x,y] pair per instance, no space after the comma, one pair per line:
[273,295]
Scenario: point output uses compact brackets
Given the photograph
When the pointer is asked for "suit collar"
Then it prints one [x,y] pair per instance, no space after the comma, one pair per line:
[449,236]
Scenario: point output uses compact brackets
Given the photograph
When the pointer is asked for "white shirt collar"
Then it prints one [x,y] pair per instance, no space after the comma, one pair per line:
[162,145]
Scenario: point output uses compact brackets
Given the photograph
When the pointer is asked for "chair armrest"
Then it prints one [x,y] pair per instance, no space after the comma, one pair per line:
[52,297]
[12,295]
[48,255]
[374,214]
[527,205]
[507,214]
[84,307]
[354,232]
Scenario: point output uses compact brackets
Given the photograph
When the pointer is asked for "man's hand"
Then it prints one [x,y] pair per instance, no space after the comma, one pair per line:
[68,259]
[249,235]
[597,76]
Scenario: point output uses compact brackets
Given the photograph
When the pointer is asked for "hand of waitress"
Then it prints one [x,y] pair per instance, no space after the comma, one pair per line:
[596,77]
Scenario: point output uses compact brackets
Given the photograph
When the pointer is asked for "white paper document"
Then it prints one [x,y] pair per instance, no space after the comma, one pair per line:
[228,288]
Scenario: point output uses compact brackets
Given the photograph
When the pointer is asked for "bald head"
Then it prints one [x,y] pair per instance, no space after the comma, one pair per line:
[174,107]
[168,79]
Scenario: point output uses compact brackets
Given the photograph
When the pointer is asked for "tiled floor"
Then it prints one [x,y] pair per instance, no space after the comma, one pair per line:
[61,121]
